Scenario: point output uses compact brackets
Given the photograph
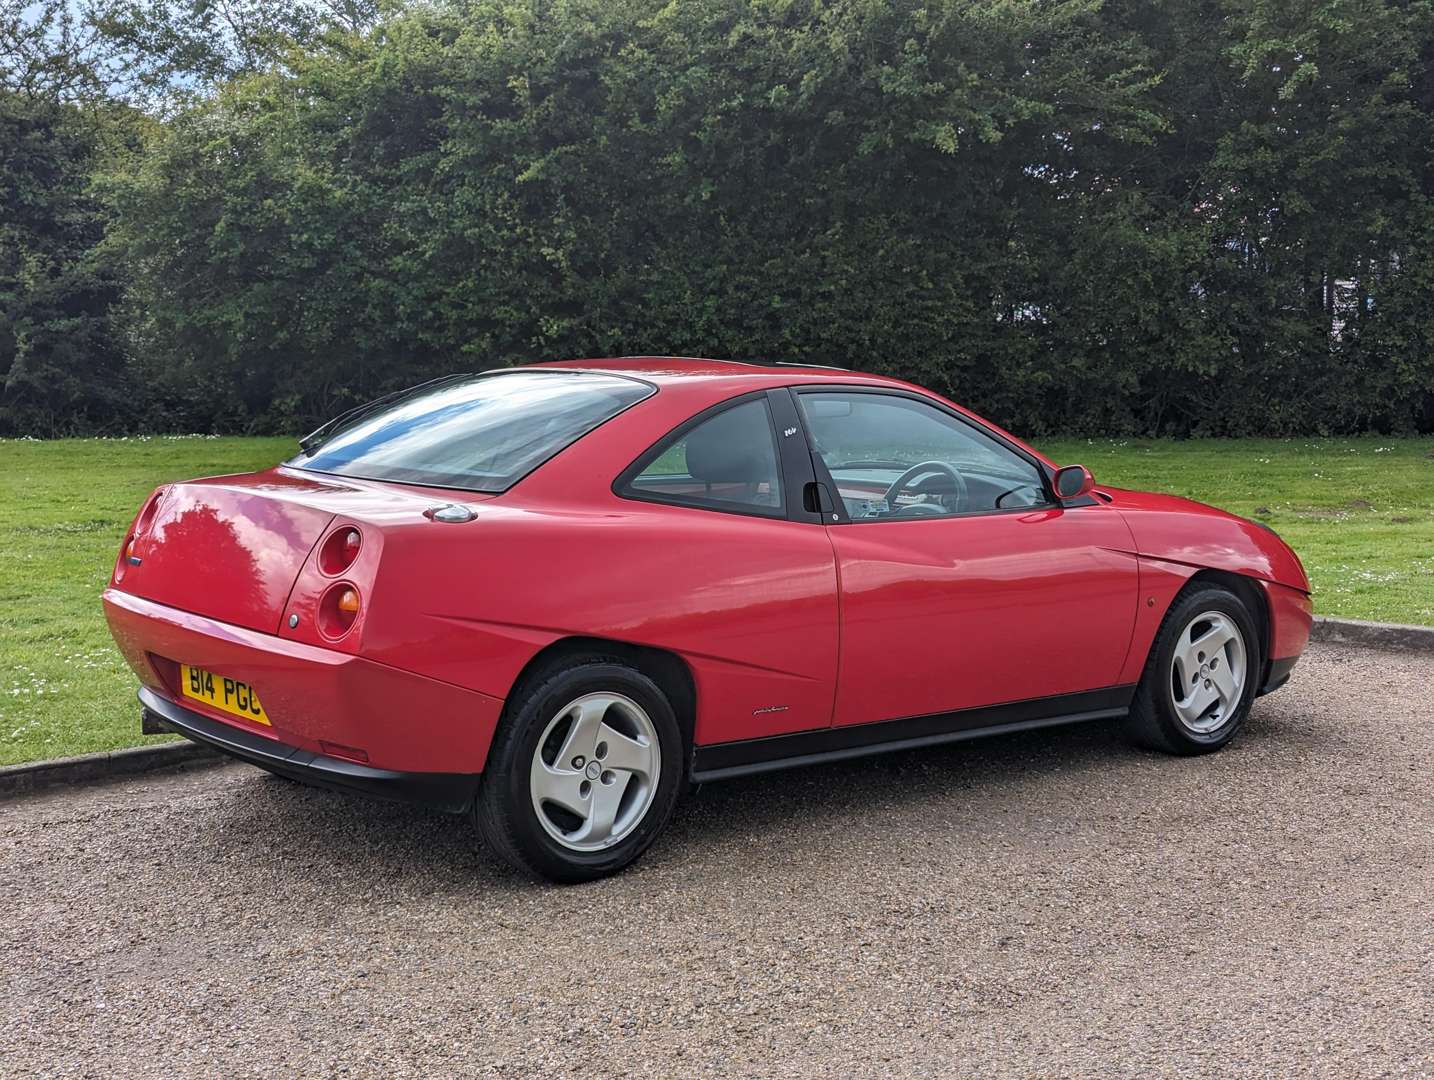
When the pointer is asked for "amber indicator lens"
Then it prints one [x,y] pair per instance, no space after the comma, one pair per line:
[338,609]
[127,558]
[340,550]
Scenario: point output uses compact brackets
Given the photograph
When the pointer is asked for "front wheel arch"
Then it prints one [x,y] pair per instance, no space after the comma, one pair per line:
[1153,720]
[1249,591]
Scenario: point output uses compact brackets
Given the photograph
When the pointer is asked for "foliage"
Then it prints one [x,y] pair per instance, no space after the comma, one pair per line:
[178,47]
[49,51]
[62,364]
[1130,216]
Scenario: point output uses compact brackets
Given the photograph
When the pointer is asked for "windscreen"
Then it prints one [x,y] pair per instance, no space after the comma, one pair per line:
[483,433]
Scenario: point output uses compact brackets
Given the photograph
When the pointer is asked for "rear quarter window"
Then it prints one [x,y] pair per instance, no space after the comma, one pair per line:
[483,433]
[725,461]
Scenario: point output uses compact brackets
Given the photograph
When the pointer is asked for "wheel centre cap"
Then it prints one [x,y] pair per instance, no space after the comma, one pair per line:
[593,771]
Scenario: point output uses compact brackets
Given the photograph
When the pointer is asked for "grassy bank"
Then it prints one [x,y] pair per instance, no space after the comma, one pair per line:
[64,507]
[1359,511]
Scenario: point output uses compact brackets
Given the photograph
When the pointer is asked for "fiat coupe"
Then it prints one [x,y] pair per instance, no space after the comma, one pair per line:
[554,597]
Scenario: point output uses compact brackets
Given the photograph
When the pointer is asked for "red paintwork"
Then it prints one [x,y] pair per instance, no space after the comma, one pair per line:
[1291,616]
[401,720]
[952,613]
[1178,538]
[229,549]
[784,625]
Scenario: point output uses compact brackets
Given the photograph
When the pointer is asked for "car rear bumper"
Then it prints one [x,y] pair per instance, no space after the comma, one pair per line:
[452,792]
[321,702]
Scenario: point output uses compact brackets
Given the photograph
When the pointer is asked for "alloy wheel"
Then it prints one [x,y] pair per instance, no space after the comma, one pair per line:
[1208,672]
[595,771]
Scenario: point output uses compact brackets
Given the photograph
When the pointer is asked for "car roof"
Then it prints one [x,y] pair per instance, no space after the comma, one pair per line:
[680,368]
[694,382]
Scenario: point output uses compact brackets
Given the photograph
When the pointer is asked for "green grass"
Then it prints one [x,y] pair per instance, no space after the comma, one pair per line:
[64,508]
[1359,511]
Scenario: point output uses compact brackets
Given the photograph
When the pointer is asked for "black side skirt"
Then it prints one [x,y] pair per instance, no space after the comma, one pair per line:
[452,792]
[719,761]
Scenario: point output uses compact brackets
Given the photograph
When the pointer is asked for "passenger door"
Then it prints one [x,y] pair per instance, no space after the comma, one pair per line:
[714,522]
[962,582]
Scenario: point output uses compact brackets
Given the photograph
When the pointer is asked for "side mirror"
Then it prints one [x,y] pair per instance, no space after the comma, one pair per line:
[1073,481]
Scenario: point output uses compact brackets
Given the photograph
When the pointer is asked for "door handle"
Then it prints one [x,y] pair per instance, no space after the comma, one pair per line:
[816,499]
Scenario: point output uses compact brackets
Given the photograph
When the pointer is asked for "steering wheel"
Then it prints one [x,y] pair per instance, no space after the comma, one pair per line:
[904,481]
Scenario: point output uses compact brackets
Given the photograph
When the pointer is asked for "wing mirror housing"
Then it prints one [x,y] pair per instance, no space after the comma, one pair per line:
[1073,482]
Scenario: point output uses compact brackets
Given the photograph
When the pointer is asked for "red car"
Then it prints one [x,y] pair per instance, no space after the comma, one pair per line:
[554,596]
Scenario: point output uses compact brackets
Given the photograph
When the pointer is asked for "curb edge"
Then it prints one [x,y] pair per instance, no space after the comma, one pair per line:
[1376,634]
[104,765]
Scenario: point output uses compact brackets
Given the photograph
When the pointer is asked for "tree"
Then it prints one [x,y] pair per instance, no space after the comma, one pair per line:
[177,48]
[50,51]
[61,362]
[1104,216]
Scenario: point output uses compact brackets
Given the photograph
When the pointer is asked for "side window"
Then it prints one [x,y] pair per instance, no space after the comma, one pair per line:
[726,462]
[894,458]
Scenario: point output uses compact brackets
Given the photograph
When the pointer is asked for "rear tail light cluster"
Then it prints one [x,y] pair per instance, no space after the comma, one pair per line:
[340,550]
[146,516]
[340,602]
[130,554]
[338,609]
[326,603]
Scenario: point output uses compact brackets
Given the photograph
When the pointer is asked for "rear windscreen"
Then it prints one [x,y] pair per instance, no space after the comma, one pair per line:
[483,433]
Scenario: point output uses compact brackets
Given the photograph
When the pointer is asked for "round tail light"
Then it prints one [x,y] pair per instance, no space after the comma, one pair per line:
[340,550]
[146,516]
[123,562]
[338,610]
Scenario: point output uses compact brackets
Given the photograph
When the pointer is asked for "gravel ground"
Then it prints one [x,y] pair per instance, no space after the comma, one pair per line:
[1052,903]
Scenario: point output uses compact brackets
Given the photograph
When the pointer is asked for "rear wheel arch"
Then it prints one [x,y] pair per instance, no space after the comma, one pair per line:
[566,814]
[664,667]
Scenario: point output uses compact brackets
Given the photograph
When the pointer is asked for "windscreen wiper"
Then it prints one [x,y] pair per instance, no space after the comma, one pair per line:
[316,438]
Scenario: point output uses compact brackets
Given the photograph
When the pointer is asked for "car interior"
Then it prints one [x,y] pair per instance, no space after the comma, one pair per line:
[893,457]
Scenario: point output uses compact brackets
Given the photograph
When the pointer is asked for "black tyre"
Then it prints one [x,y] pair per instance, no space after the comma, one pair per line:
[1202,674]
[583,773]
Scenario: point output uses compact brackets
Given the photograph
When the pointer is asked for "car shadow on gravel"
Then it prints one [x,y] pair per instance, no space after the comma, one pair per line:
[897,781]
[331,832]
[341,836]
[334,834]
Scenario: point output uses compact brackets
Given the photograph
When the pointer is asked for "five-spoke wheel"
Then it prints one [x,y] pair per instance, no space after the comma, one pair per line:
[1207,671]
[1201,674]
[584,770]
[595,770]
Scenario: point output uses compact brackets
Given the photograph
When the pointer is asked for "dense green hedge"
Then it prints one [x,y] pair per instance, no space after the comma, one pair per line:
[1137,216]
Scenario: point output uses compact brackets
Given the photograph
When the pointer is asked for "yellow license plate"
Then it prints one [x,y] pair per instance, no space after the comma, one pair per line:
[231,695]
